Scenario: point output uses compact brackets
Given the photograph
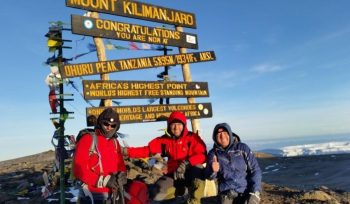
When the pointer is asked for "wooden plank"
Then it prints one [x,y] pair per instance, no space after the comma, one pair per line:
[97,89]
[151,113]
[135,9]
[92,68]
[132,32]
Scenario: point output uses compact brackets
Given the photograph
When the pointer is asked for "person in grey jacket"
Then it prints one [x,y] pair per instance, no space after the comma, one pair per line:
[234,166]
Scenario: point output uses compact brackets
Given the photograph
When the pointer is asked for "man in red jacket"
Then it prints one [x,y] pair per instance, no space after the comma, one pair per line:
[99,164]
[186,153]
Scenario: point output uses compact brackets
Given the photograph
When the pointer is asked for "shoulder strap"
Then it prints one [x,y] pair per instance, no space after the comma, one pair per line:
[93,146]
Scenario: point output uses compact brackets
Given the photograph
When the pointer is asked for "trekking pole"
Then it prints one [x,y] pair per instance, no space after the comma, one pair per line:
[114,195]
[121,190]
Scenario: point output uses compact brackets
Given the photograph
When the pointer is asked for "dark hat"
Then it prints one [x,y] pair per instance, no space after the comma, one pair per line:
[110,116]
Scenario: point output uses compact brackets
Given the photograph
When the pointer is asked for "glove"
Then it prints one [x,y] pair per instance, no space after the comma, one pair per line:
[124,151]
[228,196]
[109,181]
[180,171]
[121,178]
[254,198]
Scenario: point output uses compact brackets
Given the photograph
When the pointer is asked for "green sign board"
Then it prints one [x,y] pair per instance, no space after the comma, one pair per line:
[152,113]
[132,32]
[108,89]
[134,9]
[92,68]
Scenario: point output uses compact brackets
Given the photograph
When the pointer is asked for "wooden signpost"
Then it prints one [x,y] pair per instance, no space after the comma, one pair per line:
[98,89]
[152,113]
[92,68]
[134,9]
[109,89]
[132,32]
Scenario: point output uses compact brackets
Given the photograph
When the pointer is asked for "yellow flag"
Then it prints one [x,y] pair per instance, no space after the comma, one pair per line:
[53,43]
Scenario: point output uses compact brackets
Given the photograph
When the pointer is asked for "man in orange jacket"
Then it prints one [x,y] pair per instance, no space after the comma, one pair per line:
[186,153]
[99,164]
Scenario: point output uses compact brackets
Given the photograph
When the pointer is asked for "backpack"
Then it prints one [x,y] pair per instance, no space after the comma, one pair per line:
[92,150]
[93,146]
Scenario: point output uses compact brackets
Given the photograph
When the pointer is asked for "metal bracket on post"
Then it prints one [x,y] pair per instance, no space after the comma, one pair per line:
[165,76]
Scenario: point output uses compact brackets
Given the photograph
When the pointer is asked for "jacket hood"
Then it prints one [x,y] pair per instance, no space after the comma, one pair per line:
[178,116]
[228,129]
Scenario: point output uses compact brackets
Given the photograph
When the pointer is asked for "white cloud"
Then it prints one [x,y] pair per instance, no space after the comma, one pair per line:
[265,68]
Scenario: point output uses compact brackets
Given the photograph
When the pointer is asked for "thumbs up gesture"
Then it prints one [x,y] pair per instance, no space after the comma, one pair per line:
[215,165]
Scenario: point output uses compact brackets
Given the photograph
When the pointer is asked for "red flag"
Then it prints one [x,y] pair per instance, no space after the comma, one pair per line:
[53,101]
[133,46]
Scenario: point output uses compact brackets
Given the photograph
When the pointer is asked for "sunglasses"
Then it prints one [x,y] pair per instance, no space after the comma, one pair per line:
[112,125]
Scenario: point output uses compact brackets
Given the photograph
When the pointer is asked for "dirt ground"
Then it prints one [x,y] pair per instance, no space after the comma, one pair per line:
[311,179]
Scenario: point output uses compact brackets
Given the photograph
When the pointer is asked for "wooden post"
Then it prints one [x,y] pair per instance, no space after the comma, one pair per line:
[187,78]
[101,56]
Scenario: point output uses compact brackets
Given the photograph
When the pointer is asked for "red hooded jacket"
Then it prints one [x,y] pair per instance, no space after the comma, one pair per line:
[87,167]
[189,146]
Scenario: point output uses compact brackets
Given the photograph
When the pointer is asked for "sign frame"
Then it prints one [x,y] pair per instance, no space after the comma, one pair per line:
[151,113]
[104,28]
[103,67]
[110,89]
[138,10]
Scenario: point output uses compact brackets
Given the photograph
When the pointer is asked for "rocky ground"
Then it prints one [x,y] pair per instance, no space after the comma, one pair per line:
[312,179]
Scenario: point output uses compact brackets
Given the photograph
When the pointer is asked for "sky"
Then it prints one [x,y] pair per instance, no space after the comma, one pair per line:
[282,70]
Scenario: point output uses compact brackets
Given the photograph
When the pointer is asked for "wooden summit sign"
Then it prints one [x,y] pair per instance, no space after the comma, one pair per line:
[102,67]
[132,32]
[134,9]
[99,89]
[152,113]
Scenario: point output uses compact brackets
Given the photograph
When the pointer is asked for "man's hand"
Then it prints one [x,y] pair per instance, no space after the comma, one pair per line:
[124,151]
[110,181]
[254,198]
[215,165]
[180,171]
[121,178]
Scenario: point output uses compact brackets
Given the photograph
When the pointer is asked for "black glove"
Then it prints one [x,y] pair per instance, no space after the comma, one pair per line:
[228,196]
[121,178]
[254,198]
[180,171]
[111,182]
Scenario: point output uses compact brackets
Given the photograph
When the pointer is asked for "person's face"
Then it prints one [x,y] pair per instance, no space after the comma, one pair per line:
[176,129]
[108,126]
[222,137]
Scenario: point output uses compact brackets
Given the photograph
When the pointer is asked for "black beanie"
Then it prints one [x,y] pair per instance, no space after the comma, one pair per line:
[110,116]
